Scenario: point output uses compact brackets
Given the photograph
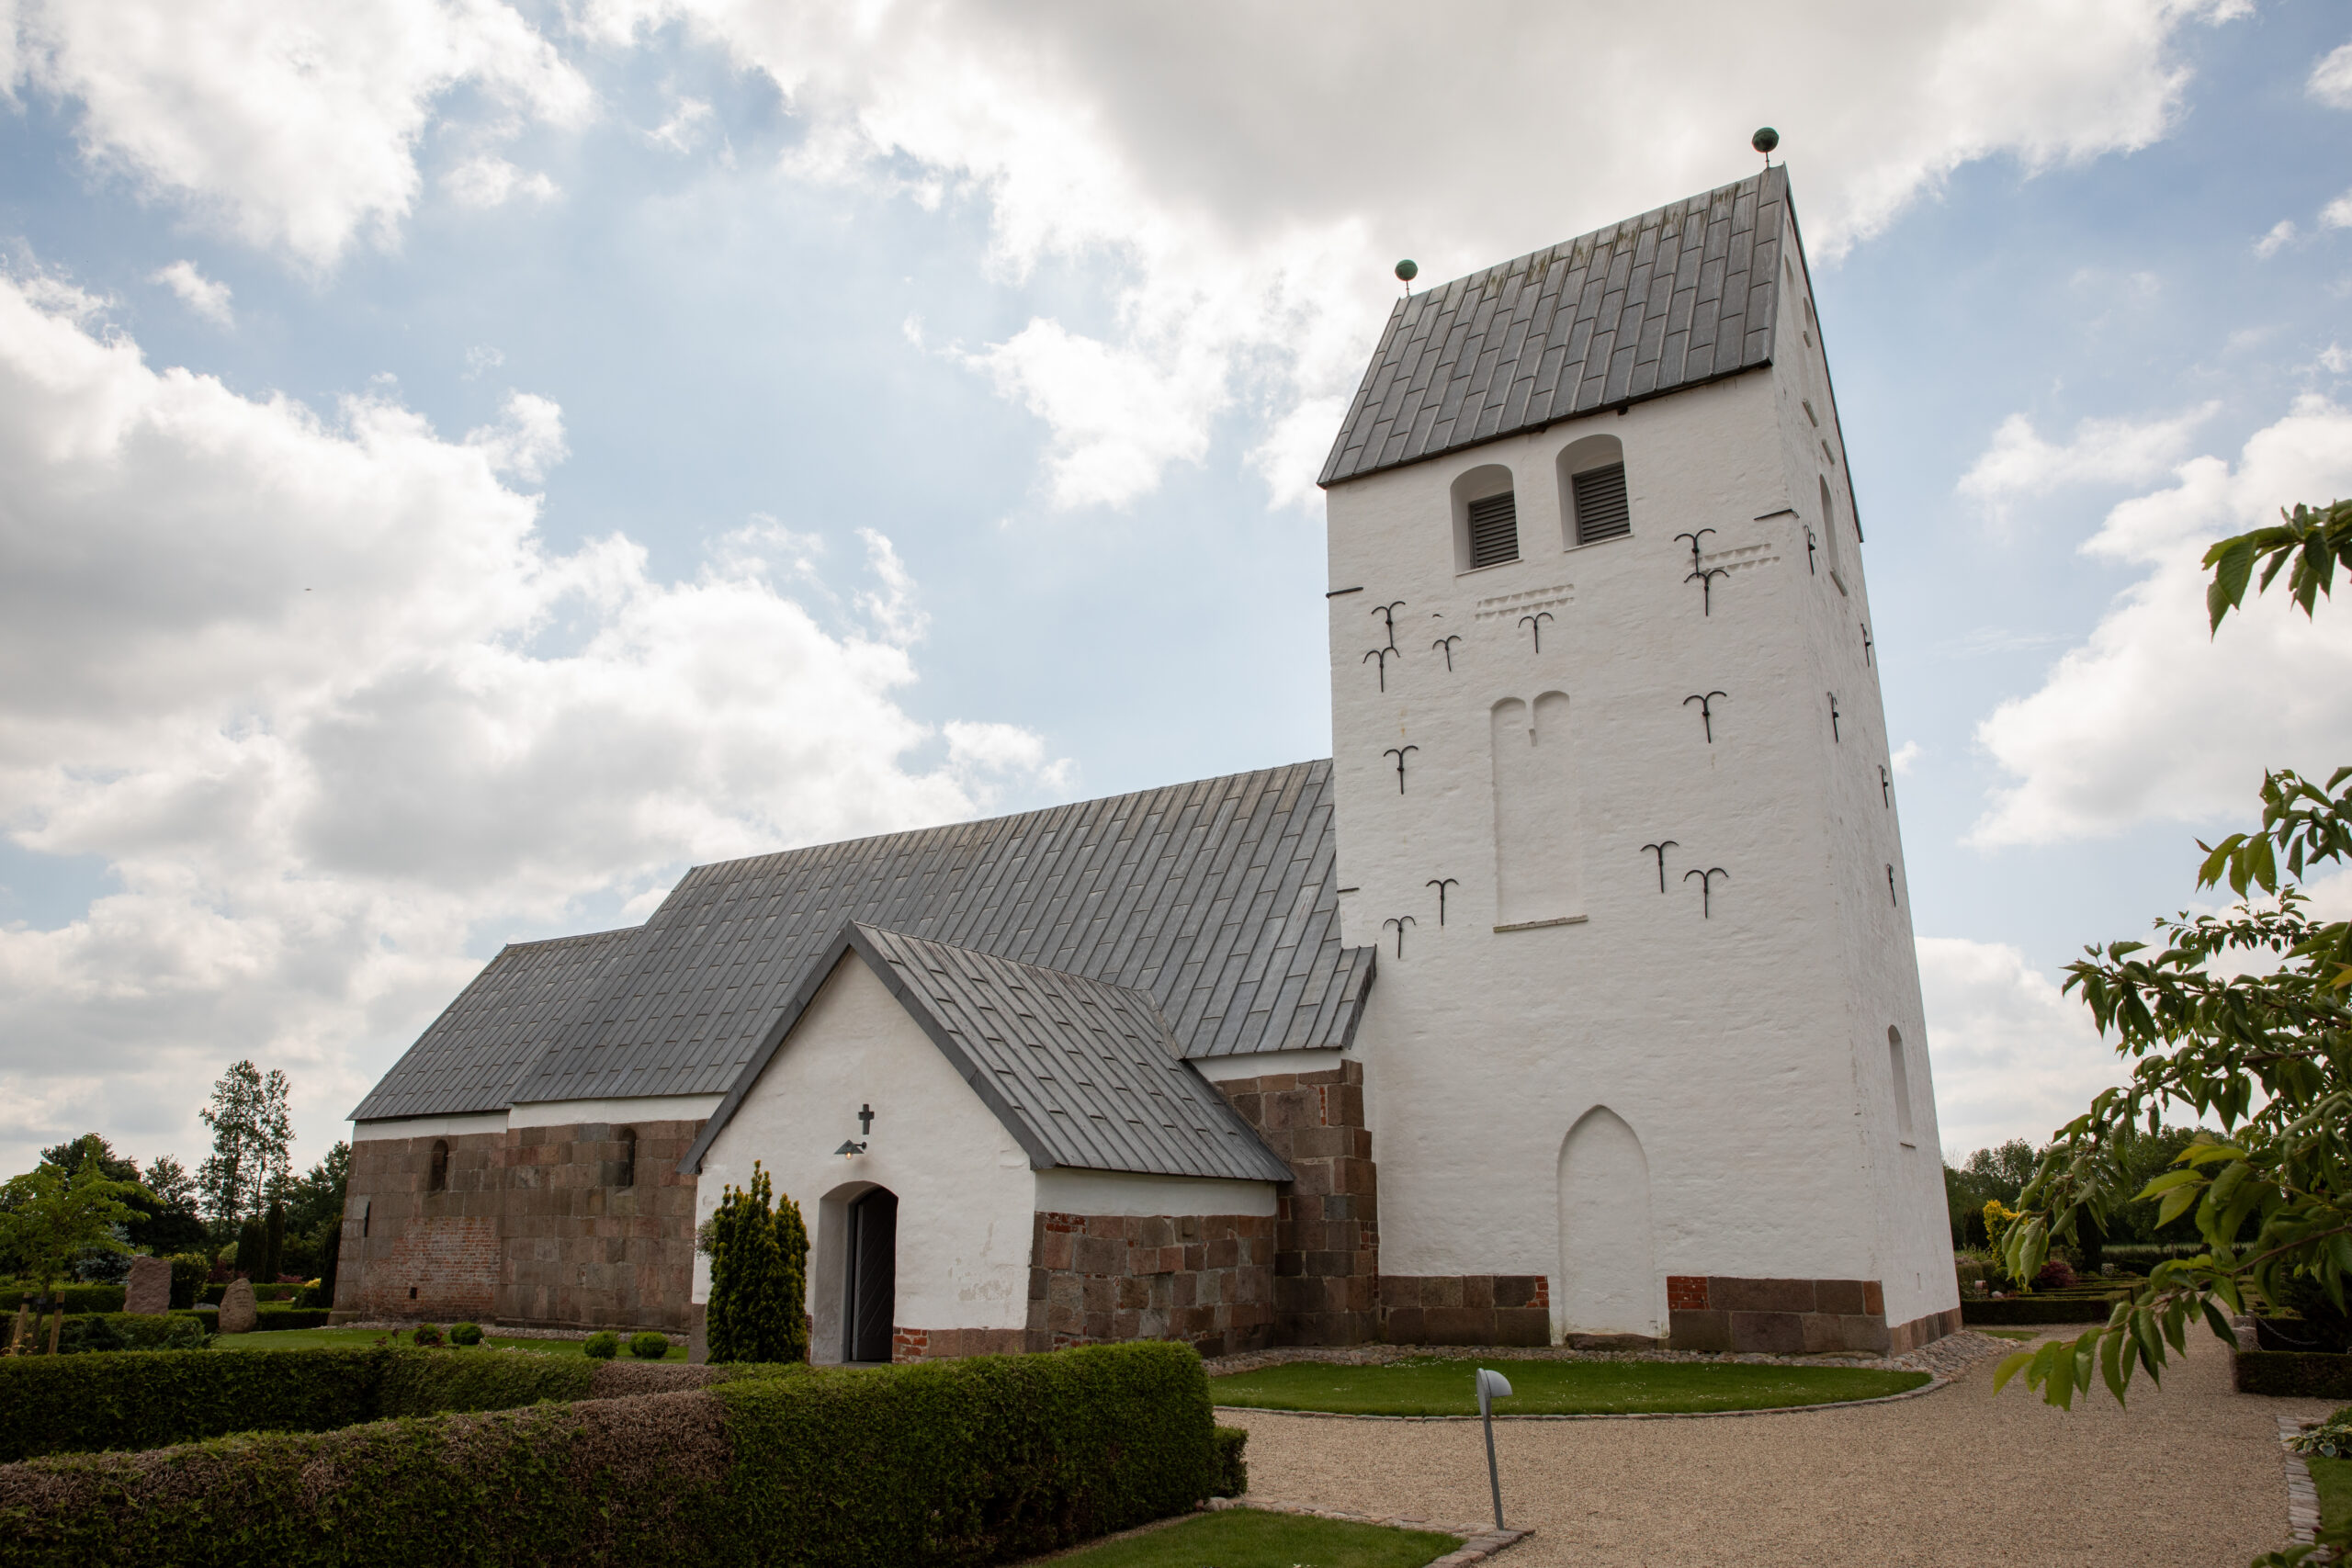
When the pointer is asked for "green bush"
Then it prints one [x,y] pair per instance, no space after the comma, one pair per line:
[2036,1309]
[649,1345]
[426,1333]
[76,1298]
[1232,1461]
[945,1464]
[604,1345]
[465,1334]
[80,1404]
[759,1277]
[2294,1374]
[278,1317]
[187,1280]
[129,1331]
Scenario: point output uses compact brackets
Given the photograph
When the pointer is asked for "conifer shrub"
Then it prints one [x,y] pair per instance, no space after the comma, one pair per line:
[603,1345]
[759,1277]
[649,1345]
[465,1334]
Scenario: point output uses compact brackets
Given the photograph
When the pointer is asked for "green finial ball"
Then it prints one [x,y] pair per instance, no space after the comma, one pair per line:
[1408,270]
[1765,140]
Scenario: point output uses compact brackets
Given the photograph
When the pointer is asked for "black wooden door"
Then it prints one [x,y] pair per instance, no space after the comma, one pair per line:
[873,1276]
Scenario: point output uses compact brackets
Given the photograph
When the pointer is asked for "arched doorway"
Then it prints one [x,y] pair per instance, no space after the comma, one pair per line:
[1607,1284]
[870,1275]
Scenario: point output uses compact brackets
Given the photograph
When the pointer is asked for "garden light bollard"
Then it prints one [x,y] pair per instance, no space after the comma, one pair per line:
[1491,1387]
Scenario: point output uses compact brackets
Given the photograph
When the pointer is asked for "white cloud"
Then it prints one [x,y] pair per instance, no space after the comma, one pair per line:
[2334,360]
[295,126]
[1249,194]
[487,180]
[2271,244]
[318,696]
[2020,463]
[2331,79]
[2013,1056]
[481,360]
[1906,757]
[2149,720]
[684,129]
[2337,214]
[197,292]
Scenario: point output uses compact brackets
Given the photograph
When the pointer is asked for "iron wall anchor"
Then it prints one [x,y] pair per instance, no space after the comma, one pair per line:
[1381,654]
[1706,711]
[1388,613]
[1707,888]
[1706,587]
[1447,644]
[1811,544]
[1834,738]
[1441,884]
[1536,620]
[1867,660]
[1401,922]
[1694,539]
[1398,752]
[1659,849]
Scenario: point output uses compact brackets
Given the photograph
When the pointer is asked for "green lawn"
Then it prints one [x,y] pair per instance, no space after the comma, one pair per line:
[2333,1477]
[1443,1387]
[1245,1537]
[315,1339]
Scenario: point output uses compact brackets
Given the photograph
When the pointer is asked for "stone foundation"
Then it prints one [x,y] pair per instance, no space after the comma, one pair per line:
[1466,1309]
[1093,1278]
[1327,1242]
[938,1344]
[532,1228]
[1905,1338]
[1784,1316]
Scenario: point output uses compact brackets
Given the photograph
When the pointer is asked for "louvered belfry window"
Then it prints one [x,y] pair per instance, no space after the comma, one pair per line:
[1602,513]
[1493,530]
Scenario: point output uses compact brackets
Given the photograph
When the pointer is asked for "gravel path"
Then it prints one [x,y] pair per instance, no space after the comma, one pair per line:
[2189,1475]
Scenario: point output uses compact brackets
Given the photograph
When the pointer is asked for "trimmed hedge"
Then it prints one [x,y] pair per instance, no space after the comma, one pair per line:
[275,1317]
[2036,1309]
[934,1465]
[281,1294]
[1232,1461]
[80,1404]
[2302,1374]
[78,1298]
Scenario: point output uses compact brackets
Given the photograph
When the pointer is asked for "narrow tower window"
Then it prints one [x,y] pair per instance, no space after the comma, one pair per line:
[625,1167]
[1592,490]
[438,1179]
[1902,1076]
[1493,530]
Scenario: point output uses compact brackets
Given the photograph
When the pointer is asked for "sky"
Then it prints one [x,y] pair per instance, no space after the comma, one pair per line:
[462,463]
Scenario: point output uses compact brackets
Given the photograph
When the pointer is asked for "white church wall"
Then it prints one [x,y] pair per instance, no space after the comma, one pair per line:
[966,1192]
[430,1126]
[1727,1045]
[1064,1191]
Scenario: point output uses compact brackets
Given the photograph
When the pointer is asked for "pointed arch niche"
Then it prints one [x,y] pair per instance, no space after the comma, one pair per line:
[1607,1282]
[1538,830]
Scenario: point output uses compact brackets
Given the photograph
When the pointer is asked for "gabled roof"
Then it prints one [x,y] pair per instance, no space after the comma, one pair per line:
[1679,297]
[494,1032]
[1217,899]
[1081,1074]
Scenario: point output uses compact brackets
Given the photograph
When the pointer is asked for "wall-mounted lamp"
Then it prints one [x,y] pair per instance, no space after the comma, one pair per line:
[853,1147]
[850,1148]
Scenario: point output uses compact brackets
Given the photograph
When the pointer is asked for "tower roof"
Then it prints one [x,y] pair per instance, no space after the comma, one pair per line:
[1685,294]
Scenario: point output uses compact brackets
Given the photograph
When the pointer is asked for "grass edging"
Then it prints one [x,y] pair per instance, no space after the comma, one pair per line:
[1478,1543]
[1935,1381]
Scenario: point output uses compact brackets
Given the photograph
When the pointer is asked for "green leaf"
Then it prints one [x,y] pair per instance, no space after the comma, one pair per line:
[2011,1366]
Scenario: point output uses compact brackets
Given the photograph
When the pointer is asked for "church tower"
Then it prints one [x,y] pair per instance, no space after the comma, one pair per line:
[1615,804]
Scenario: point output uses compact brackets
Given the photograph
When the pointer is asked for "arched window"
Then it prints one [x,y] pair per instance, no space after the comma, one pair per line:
[625,1167]
[1902,1076]
[438,1180]
[1592,490]
[1486,519]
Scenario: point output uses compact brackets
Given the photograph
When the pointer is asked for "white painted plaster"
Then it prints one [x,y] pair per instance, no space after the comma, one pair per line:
[430,1126]
[1063,1191]
[1259,1064]
[1746,1051]
[644,1107]
[1609,1279]
[965,1210]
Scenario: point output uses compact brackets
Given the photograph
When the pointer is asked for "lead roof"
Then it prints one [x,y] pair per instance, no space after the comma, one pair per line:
[1215,898]
[1676,298]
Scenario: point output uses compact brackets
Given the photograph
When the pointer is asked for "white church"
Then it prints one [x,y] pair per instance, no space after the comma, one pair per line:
[1571,1000]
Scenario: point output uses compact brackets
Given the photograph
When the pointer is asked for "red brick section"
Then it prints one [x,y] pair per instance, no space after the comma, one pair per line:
[1790,1316]
[567,1247]
[1327,1234]
[1466,1309]
[1207,1280]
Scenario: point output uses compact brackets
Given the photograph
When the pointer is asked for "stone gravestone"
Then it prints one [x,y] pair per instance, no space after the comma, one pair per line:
[149,1290]
[237,1314]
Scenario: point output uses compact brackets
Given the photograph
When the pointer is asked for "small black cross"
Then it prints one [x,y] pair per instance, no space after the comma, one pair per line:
[865,1119]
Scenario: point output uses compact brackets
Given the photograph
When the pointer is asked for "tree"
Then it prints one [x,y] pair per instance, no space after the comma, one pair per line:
[172,1224]
[251,1131]
[2267,1053]
[759,1277]
[47,1219]
[314,1216]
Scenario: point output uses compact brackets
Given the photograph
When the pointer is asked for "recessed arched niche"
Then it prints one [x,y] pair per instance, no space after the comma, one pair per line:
[1608,1270]
[1538,838]
[1486,518]
[1594,504]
